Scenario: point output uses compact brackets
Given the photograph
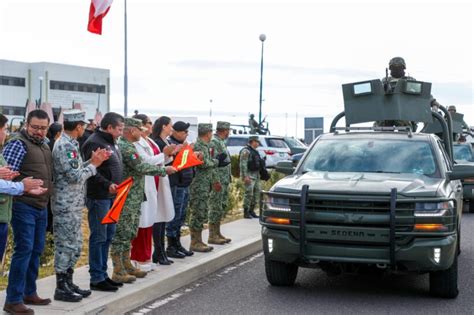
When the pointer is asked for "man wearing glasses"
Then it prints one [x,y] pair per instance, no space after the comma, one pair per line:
[28,154]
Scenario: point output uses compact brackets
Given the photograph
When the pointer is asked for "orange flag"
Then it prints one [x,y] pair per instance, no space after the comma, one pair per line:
[185,159]
[113,214]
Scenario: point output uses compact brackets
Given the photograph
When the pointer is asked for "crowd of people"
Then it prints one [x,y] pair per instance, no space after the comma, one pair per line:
[79,165]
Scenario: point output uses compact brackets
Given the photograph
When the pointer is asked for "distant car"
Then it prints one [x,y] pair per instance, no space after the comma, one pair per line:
[295,145]
[464,154]
[273,148]
[296,158]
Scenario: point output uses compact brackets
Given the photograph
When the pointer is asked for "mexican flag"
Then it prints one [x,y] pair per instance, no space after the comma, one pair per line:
[98,11]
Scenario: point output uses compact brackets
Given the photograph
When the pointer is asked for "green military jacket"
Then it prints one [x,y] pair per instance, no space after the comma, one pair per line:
[206,172]
[133,166]
[243,165]
[218,146]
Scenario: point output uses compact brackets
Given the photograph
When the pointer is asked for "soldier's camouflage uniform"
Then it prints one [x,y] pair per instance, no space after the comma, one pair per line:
[127,226]
[201,186]
[252,191]
[70,176]
[219,201]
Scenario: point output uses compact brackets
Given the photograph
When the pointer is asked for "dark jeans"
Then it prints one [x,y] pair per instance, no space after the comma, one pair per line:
[29,231]
[158,240]
[3,238]
[180,201]
[100,238]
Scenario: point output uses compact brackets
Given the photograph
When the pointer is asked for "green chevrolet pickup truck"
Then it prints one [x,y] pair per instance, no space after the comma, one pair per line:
[387,198]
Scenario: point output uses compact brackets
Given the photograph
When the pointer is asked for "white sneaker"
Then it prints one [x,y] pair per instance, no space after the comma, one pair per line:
[153,266]
[146,267]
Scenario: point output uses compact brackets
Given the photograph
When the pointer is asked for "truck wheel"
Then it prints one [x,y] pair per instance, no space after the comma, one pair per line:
[279,273]
[444,283]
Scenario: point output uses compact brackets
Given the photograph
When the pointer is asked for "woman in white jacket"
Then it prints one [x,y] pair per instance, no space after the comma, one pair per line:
[158,205]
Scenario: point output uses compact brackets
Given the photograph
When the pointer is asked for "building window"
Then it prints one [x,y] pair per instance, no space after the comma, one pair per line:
[12,81]
[12,110]
[74,86]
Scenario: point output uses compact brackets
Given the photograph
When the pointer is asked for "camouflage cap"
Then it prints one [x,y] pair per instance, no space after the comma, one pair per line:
[74,115]
[223,125]
[203,127]
[254,138]
[399,61]
[132,122]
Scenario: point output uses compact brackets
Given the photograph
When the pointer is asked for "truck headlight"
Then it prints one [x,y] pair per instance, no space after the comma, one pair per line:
[433,209]
[278,204]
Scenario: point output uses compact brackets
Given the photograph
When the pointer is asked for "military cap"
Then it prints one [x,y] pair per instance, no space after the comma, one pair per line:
[203,127]
[223,125]
[254,138]
[399,61]
[132,122]
[74,115]
[452,107]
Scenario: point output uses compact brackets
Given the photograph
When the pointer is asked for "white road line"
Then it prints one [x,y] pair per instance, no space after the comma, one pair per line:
[177,295]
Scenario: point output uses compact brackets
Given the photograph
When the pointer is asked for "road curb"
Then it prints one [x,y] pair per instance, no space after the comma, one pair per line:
[166,285]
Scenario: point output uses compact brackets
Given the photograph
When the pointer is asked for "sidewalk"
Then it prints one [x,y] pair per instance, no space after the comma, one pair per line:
[246,240]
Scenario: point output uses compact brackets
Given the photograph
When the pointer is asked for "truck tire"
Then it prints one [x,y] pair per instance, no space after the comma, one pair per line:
[444,283]
[280,274]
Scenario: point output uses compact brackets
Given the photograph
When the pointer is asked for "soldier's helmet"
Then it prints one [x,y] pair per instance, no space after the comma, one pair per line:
[397,61]
[452,108]
[252,115]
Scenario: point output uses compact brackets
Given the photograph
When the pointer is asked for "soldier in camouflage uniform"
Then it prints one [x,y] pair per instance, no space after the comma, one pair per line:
[127,227]
[397,68]
[70,176]
[206,179]
[250,163]
[219,200]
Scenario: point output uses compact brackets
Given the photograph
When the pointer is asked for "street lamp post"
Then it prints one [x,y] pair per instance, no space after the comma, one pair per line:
[262,39]
[41,90]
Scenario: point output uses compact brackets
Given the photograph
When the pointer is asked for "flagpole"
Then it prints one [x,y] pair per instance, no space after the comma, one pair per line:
[125,77]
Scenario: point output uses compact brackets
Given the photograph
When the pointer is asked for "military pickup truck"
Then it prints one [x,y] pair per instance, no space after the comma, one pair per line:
[383,197]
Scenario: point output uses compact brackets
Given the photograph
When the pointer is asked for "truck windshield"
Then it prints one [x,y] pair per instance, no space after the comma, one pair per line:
[463,153]
[373,156]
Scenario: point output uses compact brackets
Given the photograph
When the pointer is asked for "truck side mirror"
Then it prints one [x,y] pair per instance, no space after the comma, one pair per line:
[461,171]
[285,167]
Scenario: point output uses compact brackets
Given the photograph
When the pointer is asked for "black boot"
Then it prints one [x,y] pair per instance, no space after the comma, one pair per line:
[252,212]
[163,248]
[75,288]
[181,248]
[159,252]
[63,292]
[247,214]
[172,249]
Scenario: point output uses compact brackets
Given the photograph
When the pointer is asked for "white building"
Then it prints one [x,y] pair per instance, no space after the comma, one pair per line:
[58,84]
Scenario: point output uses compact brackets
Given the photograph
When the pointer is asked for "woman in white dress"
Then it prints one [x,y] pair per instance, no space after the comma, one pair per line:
[158,205]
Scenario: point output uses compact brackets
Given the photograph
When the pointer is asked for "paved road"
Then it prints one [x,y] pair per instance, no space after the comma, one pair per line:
[242,289]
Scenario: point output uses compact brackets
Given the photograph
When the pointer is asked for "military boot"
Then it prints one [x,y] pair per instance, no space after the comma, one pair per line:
[214,237]
[181,248]
[120,275]
[227,240]
[63,292]
[196,242]
[247,214]
[252,212]
[129,268]
[75,288]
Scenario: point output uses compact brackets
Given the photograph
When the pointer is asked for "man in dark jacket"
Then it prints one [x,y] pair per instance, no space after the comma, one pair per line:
[179,183]
[101,190]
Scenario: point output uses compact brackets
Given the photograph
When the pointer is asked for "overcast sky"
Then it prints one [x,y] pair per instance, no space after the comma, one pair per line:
[183,54]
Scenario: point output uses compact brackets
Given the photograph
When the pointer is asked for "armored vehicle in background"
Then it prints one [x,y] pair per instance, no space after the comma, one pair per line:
[385,197]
